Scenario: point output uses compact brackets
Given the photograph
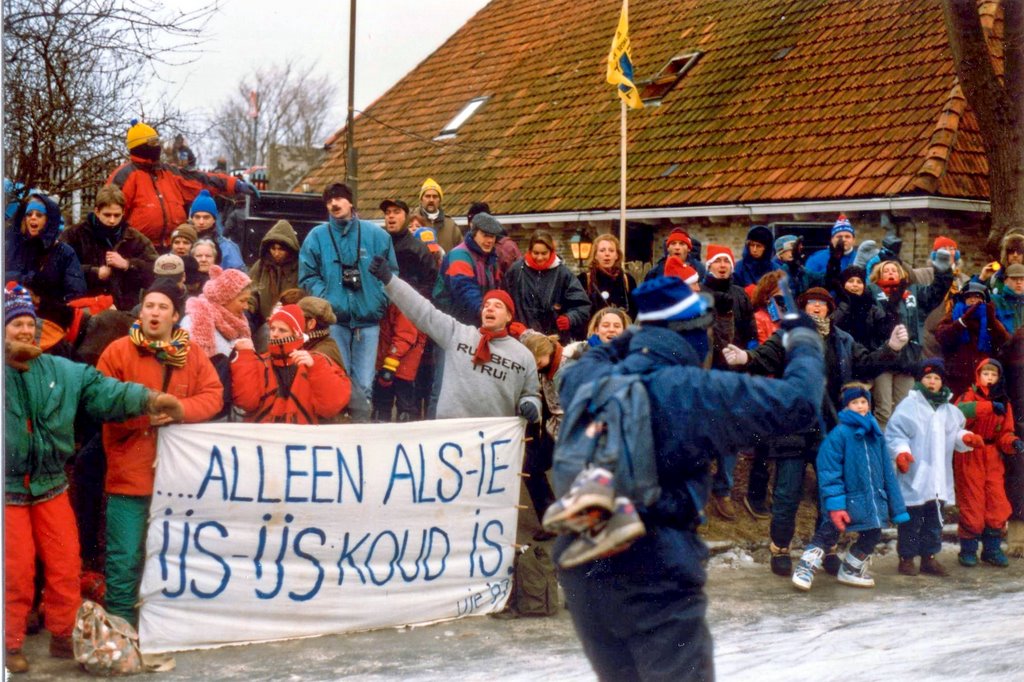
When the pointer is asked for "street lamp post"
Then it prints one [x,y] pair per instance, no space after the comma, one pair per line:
[580,244]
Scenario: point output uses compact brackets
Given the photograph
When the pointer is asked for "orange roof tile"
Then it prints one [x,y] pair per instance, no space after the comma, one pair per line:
[864,104]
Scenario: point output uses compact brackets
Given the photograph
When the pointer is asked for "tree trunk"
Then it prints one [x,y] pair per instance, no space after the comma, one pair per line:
[997,103]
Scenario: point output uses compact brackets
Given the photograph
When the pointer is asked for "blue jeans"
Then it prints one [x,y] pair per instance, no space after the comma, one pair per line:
[786,495]
[922,534]
[359,353]
[827,536]
[721,484]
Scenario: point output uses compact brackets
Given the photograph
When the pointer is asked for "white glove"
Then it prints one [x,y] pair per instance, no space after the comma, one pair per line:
[899,337]
[734,355]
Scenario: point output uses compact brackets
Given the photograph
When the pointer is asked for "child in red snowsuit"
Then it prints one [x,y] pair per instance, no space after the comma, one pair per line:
[399,353]
[978,475]
[288,385]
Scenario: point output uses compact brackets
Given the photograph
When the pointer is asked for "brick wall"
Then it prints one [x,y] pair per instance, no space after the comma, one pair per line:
[917,229]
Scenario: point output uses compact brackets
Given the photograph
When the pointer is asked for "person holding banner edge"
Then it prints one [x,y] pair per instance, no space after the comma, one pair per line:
[44,394]
[156,353]
[487,372]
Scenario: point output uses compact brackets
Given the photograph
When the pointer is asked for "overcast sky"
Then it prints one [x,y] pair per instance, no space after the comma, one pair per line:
[393,37]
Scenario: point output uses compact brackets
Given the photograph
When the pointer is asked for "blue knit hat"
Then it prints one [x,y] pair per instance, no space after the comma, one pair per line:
[842,225]
[786,241]
[664,299]
[852,392]
[203,202]
[17,302]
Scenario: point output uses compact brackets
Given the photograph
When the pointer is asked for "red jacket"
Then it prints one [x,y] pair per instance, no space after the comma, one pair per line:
[996,429]
[316,394]
[131,445]
[400,339]
[157,195]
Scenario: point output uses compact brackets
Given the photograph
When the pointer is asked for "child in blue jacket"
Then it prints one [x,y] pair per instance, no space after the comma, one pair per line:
[858,489]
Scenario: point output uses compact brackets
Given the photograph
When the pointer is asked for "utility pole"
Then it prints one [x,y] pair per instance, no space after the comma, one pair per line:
[352,157]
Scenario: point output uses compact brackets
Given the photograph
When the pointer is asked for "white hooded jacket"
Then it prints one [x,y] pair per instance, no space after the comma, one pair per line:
[930,436]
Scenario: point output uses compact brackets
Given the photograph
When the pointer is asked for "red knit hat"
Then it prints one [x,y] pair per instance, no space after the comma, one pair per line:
[292,316]
[225,285]
[503,297]
[716,251]
[678,234]
[675,267]
[944,243]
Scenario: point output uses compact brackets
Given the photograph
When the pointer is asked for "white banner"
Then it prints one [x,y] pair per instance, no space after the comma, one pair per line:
[271,532]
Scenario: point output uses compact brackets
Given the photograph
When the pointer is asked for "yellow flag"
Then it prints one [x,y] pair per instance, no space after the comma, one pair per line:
[620,64]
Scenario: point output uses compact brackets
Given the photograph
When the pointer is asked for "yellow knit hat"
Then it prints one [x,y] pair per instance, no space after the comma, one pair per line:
[431,183]
[140,134]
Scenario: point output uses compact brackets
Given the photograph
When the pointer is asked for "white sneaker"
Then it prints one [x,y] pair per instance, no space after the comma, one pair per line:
[810,561]
[854,571]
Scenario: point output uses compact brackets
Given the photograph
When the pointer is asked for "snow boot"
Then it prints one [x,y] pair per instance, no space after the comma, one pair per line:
[606,539]
[16,662]
[968,555]
[931,566]
[782,563]
[1015,538]
[854,571]
[810,561]
[831,561]
[908,567]
[758,509]
[991,551]
[590,501]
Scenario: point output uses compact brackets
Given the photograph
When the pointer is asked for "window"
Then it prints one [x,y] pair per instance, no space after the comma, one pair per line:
[453,126]
[652,91]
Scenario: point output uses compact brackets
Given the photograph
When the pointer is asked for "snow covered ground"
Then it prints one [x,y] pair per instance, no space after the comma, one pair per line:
[968,626]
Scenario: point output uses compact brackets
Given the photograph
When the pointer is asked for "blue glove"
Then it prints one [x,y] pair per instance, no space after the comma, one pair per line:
[901,518]
[1018,447]
[999,408]
[528,411]
[594,340]
[381,269]
[242,187]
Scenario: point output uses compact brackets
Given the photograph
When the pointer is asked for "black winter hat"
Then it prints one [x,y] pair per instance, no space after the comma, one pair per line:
[930,366]
[853,271]
[168,287]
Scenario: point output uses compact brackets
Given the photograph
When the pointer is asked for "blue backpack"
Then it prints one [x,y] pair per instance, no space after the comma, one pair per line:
[608,423]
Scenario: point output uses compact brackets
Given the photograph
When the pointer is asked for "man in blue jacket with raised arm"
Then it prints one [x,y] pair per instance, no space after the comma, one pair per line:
[641,613]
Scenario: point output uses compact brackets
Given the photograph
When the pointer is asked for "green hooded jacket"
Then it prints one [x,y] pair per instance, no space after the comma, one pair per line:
[39,419]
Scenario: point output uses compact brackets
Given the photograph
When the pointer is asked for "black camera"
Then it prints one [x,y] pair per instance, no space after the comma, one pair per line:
[351,278]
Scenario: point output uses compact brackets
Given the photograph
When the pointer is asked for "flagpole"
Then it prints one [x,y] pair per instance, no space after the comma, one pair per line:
[622,181]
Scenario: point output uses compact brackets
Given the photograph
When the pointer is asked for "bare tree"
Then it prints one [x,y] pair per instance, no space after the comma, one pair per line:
[74,76]
[293,107]
[998,102]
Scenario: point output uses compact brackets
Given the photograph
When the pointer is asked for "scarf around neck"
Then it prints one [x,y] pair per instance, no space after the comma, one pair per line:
[936,400]
[209,318]
[281,349]
[482,355]
[823,324]
[860,422]
[173,353]
[537,265]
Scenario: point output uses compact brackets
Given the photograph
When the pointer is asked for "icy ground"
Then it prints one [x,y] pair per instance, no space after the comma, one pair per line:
[969,626]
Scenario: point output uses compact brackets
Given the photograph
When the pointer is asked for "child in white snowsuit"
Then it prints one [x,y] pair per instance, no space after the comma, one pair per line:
[922,434]
[858,490]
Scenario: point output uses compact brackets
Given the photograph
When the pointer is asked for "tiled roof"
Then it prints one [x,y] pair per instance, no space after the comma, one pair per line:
[864,104]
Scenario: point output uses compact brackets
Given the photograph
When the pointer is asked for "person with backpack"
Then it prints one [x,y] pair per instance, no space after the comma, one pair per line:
[640,614]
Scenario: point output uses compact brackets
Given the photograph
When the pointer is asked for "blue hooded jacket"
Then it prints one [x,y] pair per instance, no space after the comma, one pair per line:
[48,267]
[855,473]
[320,261]
[750,270]
[694,414]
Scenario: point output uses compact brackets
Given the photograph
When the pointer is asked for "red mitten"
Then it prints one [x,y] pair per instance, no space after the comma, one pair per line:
[562,322]
[839,519]
[973,440]
[516,329]
[903,462]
